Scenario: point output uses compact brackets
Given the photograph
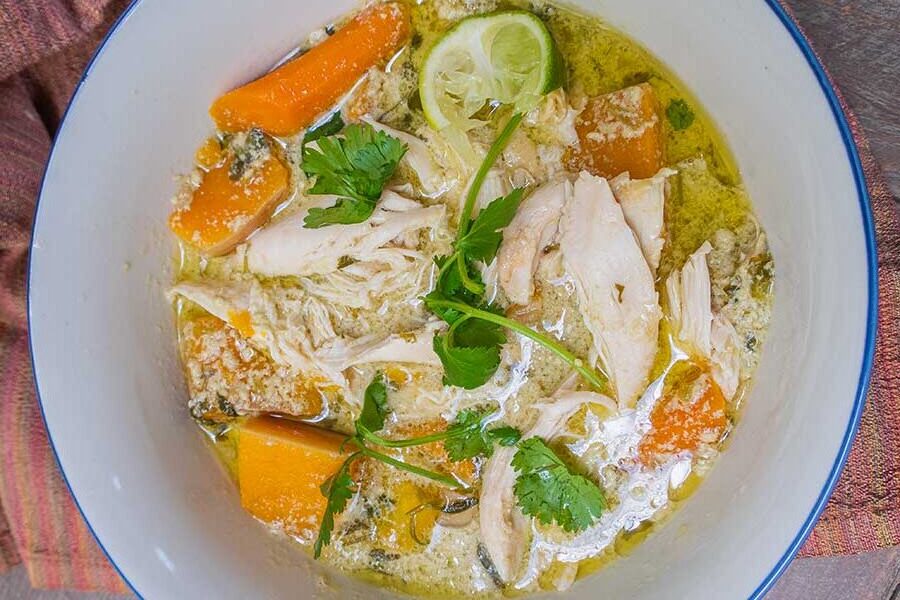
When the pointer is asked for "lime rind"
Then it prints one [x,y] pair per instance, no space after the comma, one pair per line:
[508,57]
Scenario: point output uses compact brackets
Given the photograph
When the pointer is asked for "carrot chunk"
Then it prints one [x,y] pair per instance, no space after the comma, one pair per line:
[281,465]
[210,154]
[290,97]
[223,211]
[619,132]
[680,425]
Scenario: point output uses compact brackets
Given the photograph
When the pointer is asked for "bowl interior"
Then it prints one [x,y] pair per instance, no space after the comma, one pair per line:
[111,385]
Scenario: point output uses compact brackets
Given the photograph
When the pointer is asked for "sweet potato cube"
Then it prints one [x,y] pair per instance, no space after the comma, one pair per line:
[223,211]
[281,465]
[684,425]
[619,132]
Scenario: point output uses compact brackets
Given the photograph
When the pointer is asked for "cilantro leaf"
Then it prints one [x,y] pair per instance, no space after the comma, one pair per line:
[374,405]
[474,332]
[337,490]
[332,126]
[466,436]
[449,315]
[484,236]
[467,367]
[547,490]
[469,437]
[679,114]
[505,435]
[345,211]
[354,167]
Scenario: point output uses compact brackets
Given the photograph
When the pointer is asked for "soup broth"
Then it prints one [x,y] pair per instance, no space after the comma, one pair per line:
[628,311]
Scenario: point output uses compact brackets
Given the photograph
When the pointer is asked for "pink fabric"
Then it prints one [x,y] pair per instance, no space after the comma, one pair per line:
[44,45]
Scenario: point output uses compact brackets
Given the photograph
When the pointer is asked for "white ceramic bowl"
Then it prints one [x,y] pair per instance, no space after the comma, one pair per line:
[103,340]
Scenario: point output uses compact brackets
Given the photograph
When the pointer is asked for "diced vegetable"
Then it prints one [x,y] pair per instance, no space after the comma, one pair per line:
[293,95]
[680,424]
[222,371]
[619,132]
[411,520]
[281,465]
[224,210]
[210,154]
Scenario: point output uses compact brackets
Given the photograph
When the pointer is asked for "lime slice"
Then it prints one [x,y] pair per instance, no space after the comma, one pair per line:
[505,57]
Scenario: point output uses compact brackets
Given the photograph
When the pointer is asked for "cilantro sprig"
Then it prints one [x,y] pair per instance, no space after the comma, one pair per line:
[355,167]
[470,349]
[549,491]
[468,437]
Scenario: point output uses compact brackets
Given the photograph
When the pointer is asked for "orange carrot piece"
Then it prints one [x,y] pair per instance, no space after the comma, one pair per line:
[619,132]
[679,425]
[281,465]
[223,212]
[293,95]
[210,154]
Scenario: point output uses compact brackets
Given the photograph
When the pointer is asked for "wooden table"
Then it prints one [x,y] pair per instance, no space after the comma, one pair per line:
[859,40]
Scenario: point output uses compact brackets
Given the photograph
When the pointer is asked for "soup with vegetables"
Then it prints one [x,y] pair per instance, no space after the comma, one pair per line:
[468,294]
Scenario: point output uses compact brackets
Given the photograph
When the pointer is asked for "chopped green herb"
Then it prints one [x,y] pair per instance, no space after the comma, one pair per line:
[337,490]
[547,490]
[469,437]
[354,167]
[331,126]
[679,114]
[468,367]
[374,405]
[253,148]
[483,238]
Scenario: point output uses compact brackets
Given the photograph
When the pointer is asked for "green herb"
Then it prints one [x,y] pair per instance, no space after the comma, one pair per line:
[444,306]
[337,490]
[679,114]
[483,238]
[251,150]
[466,438]
[354,167]
[331,126]
[468,367]
[470,349]
[547,490]
[469,437]
[374,409]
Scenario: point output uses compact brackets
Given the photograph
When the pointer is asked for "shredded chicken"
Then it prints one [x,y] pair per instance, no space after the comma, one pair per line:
[418,158]
[288,248]
[533,228]
[643,202]
[289,346]
[709,336]
[641,491]
[503,526]
[613,283]
[409,347]
[298,333]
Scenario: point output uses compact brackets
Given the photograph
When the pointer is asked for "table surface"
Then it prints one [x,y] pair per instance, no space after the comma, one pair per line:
[859,40]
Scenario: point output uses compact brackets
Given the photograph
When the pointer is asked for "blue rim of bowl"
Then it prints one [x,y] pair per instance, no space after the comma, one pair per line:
[871,319]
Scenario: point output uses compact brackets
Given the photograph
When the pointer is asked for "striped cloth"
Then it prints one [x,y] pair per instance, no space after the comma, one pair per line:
[44,45]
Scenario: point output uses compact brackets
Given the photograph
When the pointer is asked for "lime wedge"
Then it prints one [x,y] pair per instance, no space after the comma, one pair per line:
[505,57]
